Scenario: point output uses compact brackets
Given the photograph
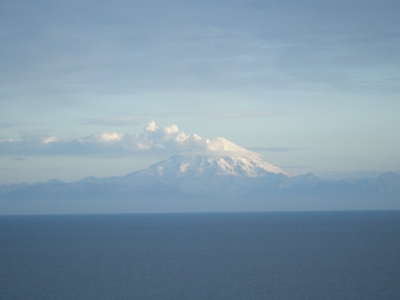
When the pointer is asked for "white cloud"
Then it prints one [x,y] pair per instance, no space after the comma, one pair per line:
[165,140]
[50,139]
[151,126]
[111,137]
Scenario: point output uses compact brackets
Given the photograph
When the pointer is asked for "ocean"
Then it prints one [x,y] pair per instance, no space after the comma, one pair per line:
[265,255]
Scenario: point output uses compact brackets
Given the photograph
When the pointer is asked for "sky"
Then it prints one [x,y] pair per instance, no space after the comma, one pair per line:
[105,88]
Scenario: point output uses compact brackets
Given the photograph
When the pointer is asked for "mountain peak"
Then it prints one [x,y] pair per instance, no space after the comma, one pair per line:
[218,147]
[211,157]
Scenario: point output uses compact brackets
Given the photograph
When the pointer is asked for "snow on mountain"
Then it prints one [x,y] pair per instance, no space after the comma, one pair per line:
[218,147]
[206,166]
[216,157]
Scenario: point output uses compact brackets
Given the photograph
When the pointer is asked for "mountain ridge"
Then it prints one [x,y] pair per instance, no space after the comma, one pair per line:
[215,175]
[276,192]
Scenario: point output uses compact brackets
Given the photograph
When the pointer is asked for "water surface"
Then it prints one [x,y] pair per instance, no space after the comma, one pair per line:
[302,255]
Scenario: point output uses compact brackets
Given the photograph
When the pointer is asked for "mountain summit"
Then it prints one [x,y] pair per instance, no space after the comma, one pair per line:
[218,147]
[216,157]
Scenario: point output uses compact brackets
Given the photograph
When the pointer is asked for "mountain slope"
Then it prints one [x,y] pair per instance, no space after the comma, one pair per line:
[199,174]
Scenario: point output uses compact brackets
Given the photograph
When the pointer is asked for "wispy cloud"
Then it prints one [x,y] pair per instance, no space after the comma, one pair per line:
[114,121]
[275,149]
[19,158]
[50,169]
[296,167]
[245,43]
[226,114]
[18,124]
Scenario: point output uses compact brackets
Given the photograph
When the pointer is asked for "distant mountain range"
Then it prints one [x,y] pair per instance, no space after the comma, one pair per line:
[219,176]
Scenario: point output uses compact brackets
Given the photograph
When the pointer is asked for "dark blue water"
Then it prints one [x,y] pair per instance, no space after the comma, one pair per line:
[320,255]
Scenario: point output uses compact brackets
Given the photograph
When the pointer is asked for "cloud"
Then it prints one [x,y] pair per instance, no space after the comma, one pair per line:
[165,140]
[17,124]
[296,167]
[246,43]
[50,169]
[115,121]
[275,149]
[226,114]
[50,139]
[138,118]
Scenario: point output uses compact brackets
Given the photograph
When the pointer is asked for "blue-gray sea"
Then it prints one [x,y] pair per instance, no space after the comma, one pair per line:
[285,255]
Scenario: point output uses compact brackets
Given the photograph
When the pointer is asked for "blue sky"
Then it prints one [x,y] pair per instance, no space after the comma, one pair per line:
[312,86]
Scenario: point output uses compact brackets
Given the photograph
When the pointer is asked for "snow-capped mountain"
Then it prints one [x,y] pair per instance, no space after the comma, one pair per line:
[205,166]
[213,175]
[213,165]
[216,157]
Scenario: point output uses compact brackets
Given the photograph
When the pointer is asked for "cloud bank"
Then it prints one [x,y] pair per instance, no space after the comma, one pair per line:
[274,44]
[165,140]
